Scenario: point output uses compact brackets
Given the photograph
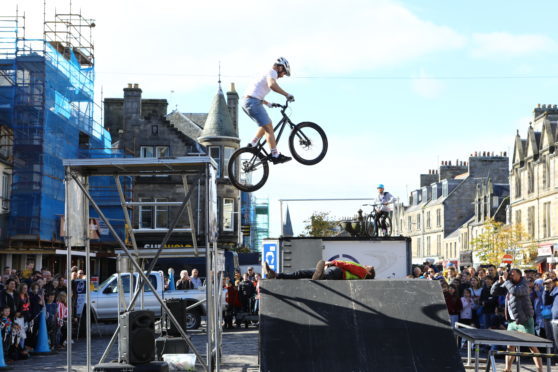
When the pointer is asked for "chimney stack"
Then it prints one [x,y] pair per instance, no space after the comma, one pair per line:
[132,105]
[232,104]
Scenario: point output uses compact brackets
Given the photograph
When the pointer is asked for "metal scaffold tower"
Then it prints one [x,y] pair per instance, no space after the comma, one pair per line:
[79,172]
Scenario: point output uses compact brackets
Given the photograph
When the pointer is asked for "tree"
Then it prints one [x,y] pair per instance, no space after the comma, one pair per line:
[320,224]
[498,239]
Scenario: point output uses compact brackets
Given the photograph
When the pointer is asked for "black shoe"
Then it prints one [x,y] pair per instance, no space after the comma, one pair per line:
[249,145]
[278,159]
[269,273]
[319,273]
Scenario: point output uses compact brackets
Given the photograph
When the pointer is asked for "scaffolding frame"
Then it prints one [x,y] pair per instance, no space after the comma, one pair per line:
[78,172]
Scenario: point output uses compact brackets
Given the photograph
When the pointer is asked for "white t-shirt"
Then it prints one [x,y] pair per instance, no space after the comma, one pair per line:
[259,88]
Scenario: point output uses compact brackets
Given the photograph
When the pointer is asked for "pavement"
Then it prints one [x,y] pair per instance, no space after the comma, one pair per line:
[240,349]
[240,352]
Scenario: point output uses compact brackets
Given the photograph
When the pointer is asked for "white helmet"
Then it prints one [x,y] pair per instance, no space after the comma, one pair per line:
[283,62]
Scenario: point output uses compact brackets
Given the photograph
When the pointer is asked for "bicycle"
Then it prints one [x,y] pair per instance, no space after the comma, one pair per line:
[370,227]
[248,166]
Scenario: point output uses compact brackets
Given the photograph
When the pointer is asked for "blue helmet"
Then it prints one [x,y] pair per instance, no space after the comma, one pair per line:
[381,186]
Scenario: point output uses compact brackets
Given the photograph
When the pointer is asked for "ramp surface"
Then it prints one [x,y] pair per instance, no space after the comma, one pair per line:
[355,325]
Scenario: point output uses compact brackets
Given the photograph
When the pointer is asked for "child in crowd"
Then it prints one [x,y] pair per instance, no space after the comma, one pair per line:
[20,329]
[467,303]
[61,319]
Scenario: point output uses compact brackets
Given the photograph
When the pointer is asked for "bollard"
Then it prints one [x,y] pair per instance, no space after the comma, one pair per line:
[3,365]
[41,344]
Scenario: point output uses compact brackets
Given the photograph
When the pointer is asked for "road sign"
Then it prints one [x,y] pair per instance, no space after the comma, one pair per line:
[271,253]
[507,259]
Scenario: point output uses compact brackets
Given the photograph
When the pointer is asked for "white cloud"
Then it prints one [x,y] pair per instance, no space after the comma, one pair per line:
[504,45]
[184,38]
[427,87]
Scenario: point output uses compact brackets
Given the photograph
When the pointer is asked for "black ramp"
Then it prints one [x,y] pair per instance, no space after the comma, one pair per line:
[355,325]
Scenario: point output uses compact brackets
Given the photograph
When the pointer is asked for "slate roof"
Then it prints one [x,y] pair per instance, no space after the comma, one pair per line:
[219,122]
[184,124]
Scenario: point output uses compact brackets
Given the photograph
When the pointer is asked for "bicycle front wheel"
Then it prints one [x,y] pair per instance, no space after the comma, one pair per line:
[248,169]
[308,143]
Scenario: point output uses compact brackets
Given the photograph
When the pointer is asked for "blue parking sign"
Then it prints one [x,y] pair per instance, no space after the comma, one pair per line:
[271,254]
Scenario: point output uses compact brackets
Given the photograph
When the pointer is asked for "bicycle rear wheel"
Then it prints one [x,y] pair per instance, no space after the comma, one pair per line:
[248,169]
[308,143]
[386,221]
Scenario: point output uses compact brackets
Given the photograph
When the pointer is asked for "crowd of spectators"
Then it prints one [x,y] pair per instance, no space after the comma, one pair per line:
[242,294]
[242,298]
[473,298]
[23,295]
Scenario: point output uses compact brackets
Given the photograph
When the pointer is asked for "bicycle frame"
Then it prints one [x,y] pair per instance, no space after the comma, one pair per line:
[281,124]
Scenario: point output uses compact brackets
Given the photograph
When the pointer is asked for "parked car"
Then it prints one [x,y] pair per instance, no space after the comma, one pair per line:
[104,299]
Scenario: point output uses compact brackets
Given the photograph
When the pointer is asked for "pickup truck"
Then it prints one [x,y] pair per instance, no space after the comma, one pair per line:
[104,299]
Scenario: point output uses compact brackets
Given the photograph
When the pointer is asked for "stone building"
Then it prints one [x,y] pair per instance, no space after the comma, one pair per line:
[142,128]
[534,181]
[444,203]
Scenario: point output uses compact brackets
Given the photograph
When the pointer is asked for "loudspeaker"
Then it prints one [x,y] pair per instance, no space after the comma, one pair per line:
[177,307]
[170,345]
[137,337]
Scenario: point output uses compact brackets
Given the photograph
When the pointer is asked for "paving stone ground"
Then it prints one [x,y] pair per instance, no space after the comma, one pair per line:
[240,349]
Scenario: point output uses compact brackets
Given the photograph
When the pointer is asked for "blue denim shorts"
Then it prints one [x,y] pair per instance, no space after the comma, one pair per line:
[253,107]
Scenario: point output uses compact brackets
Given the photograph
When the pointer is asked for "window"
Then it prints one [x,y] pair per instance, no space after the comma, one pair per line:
[438,245]
[228,153]
[438,217]
[162,151]
[428,220]
[409,224]
[517,176]
[146,215]
[6,183]
[215,153]
[147,152]
[518,217]
[228,214]
[530,178]
[418,221]
[419,253]
[428,247]
[546,220]
[531,222]
[546,172]
[161,215]
[154,151]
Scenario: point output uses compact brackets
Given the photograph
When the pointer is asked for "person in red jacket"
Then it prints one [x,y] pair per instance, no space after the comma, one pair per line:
[331,270]
[233,305]
[453,302]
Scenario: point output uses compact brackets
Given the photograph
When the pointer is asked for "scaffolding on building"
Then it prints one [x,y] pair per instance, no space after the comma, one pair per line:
[47,99]
[260,227]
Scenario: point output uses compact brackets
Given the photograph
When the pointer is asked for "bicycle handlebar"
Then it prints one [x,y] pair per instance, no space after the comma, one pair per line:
[280,105]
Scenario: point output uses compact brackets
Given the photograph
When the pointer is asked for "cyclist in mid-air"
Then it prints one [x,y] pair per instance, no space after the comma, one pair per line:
[253,102]
[383,200]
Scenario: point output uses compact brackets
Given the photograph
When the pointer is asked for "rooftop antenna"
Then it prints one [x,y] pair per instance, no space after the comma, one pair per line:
[219,81]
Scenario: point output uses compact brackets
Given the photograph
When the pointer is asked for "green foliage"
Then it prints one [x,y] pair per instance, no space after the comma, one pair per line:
[320,224]
[498,239]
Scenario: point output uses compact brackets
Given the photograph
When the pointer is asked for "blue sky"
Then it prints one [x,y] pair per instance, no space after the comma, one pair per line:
[398,85]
